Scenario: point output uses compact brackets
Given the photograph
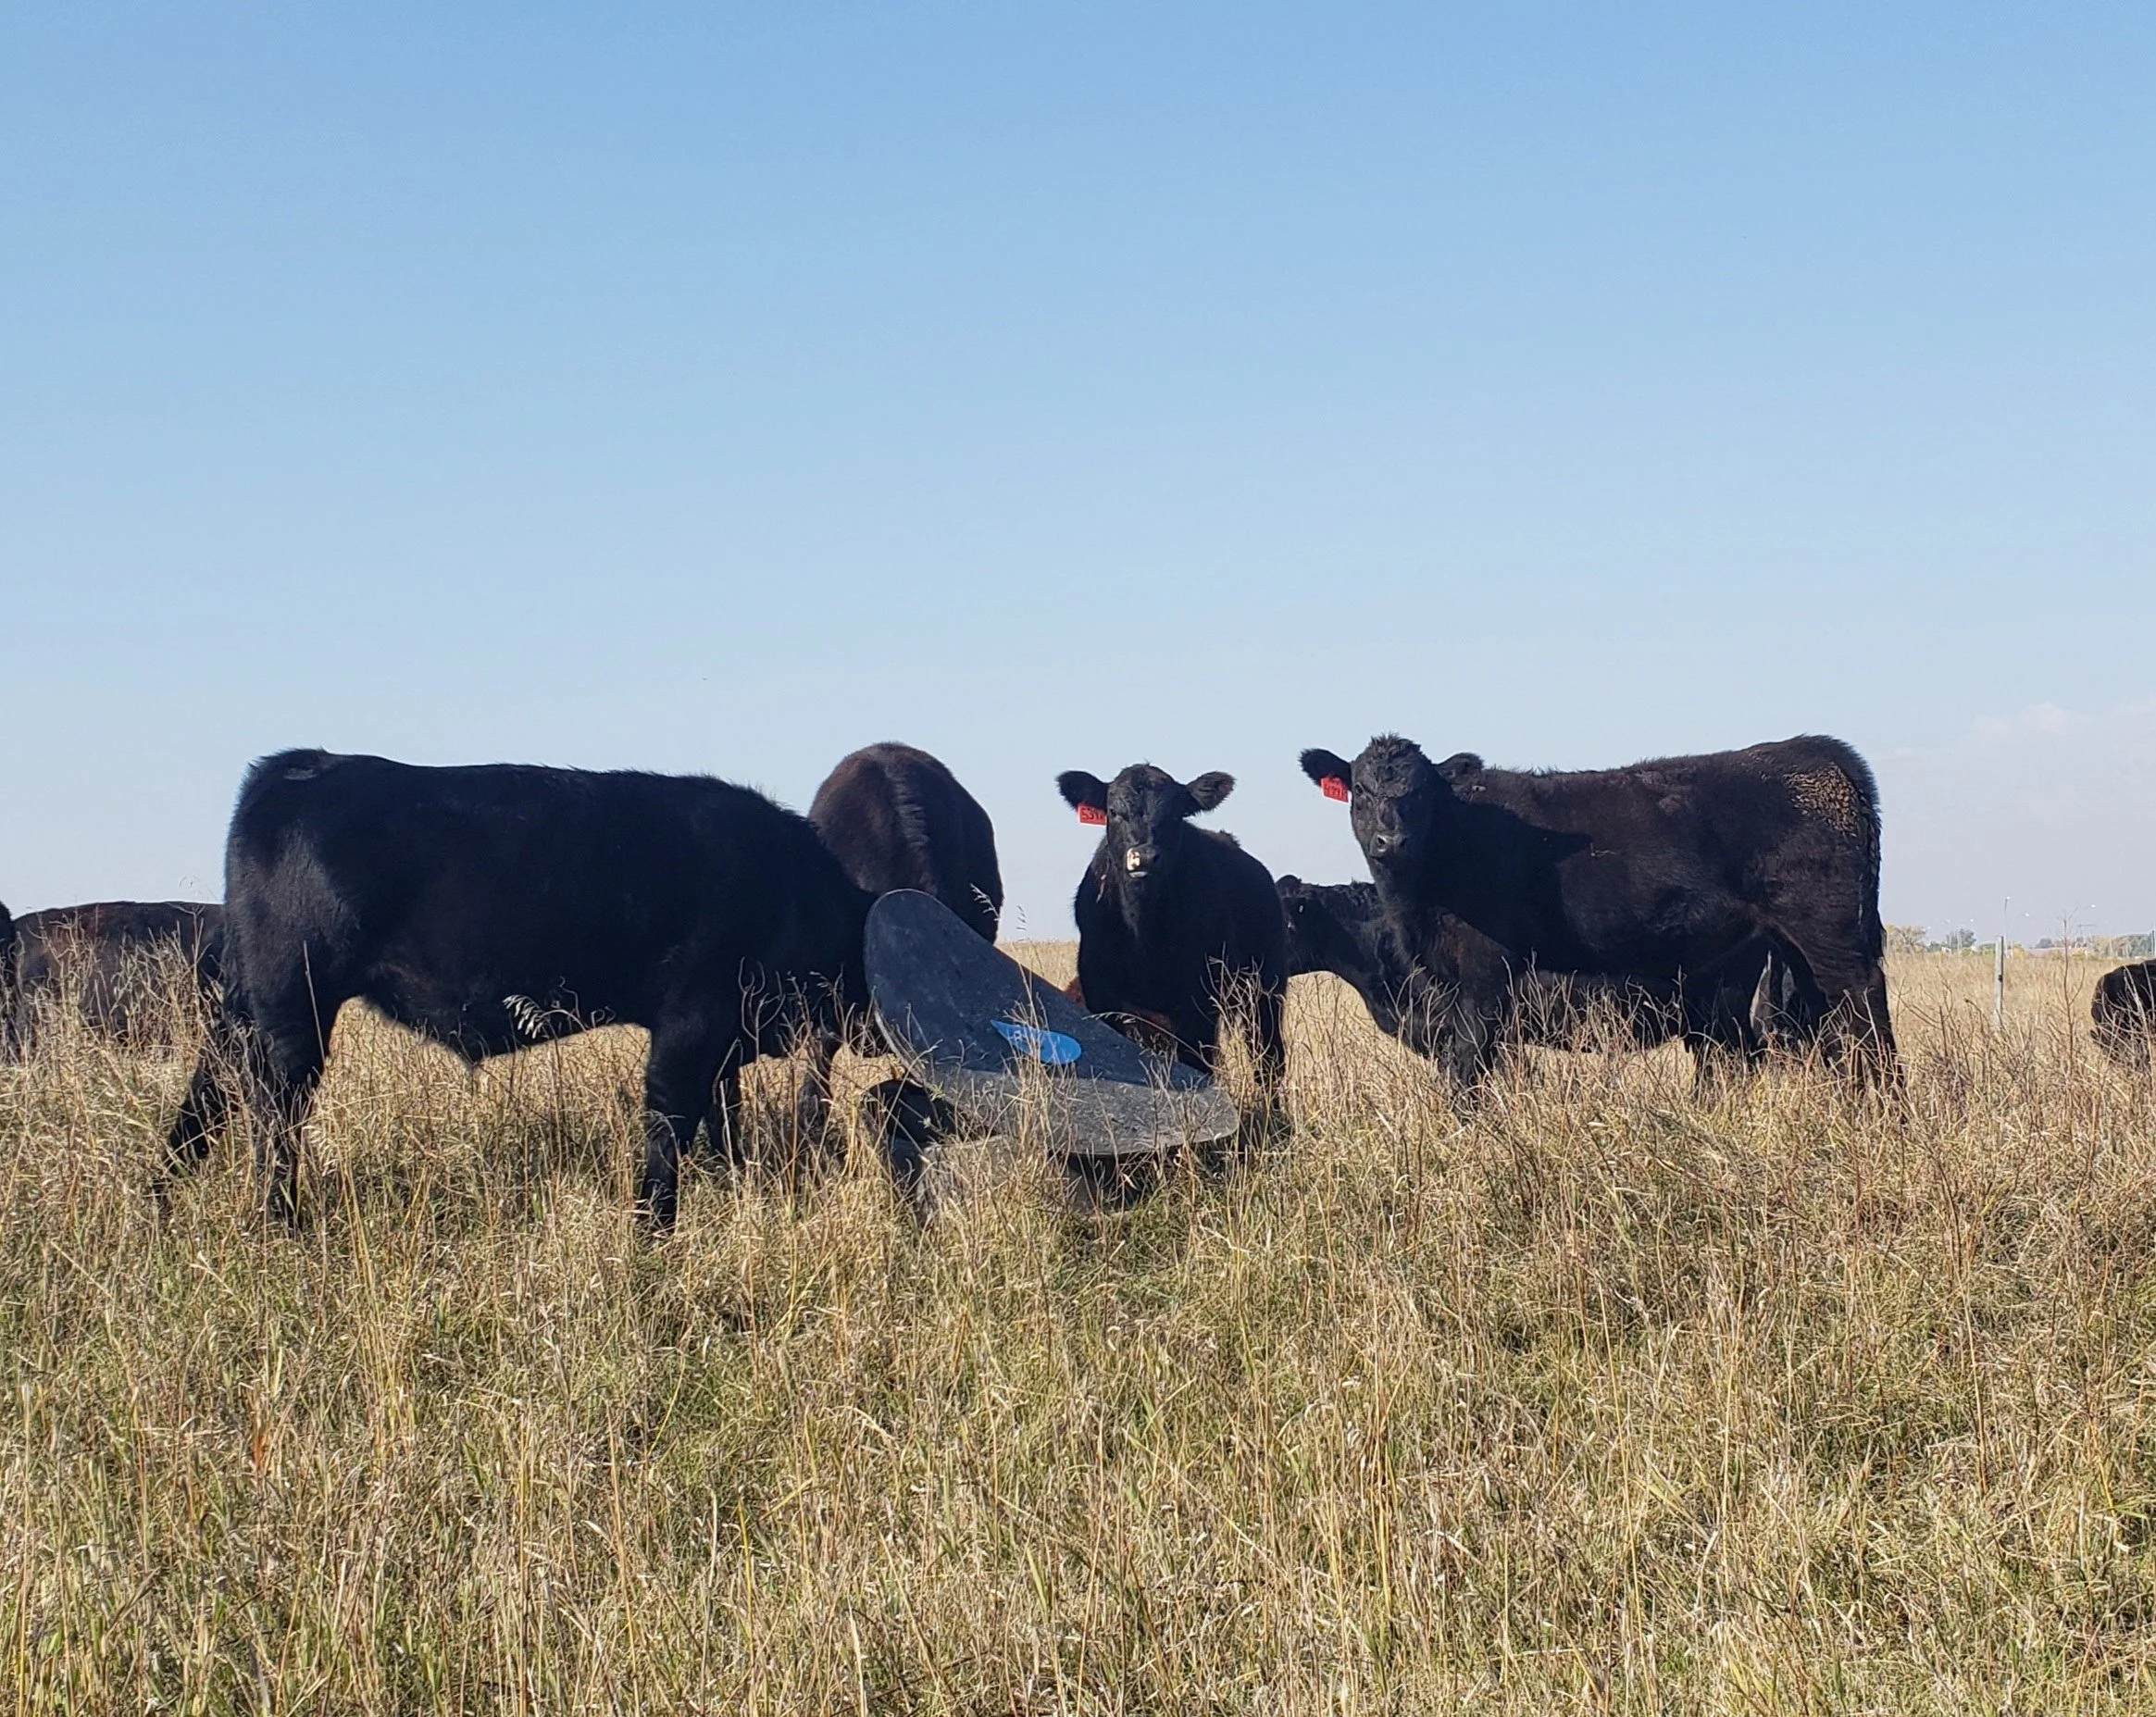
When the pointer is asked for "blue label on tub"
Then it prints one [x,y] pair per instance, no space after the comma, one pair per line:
[1052,1049]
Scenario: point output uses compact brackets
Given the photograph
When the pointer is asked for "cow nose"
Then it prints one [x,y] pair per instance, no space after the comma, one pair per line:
[1381,846]
[1137,859]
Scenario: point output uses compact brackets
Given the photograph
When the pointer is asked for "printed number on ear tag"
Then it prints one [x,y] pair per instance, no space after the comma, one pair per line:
[1051,1049]
[1332,787]
[1092,814]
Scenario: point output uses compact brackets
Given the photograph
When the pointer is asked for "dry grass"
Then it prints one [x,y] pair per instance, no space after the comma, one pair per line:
[1613,1396]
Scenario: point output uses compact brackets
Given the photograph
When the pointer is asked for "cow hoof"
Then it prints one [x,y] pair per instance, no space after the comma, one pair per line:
[907,1119]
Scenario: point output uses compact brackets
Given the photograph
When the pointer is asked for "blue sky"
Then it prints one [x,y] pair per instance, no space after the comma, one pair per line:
[723,388]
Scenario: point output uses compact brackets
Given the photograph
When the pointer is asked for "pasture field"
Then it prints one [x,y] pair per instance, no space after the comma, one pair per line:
[1611,1395]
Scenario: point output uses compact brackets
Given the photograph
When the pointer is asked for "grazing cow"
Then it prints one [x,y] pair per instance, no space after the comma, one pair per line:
[97,957]
[493,906]
[2123,1014]
[897,818]
[1175,921]
[1751,1000]
[1653,875]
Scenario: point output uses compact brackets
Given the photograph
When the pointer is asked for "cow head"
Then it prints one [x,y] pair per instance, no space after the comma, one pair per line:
[1142,812]
[1396,797]
[1315,935]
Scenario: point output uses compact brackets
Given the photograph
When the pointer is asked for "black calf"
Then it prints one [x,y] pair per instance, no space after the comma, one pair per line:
[1738,1006]
[1639,876]
[1174,920]
[492,906]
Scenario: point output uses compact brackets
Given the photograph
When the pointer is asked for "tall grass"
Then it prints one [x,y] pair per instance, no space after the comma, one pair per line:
[1610,1395]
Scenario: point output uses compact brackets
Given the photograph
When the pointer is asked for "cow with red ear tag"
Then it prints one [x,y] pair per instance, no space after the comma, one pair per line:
[1176,921]
[1681,878]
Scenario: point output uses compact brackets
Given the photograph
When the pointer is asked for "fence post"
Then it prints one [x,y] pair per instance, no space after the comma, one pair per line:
[1999,987]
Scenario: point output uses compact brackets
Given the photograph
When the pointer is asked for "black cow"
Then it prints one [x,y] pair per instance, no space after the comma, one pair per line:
[1174,920]
[1339,928]
[1747,1001]
[897,818]
[1653,875]
[2123,1013]
[99,958]
[493,906]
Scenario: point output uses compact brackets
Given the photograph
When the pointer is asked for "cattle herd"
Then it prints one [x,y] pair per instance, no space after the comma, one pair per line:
[1728,902]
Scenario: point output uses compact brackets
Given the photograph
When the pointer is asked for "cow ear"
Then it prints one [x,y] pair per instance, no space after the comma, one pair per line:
[1083,793]
[1210,788]
[1330,771]
[1460,765]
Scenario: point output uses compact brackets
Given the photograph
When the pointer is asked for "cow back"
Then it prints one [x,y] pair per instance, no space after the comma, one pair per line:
[1661,867]
[492,904]
[897,818]
[101,955]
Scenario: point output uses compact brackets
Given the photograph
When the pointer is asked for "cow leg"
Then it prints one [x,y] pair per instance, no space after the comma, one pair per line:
[1713,1016]
[725,1143]
[1852,987]
[681,1077]
[1720,1059]
[1769,1015]
[1422,1022]
[1874,1030]
[1197,1038]
[1787,1010]
[1469,1044]
[813,1131]
[208,1105]
[1856,1028]
[201,1119]
[1268,1040]
[1197,1045]
[1268,1052]
[909,1120]
[282,1069]
[289,1011]
[18,1028]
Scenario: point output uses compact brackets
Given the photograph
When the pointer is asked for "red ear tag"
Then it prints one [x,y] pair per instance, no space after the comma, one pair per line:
[1332,787]
[1091,814]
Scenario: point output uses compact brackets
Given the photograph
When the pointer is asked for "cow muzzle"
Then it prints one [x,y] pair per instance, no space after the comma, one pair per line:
[1138,862]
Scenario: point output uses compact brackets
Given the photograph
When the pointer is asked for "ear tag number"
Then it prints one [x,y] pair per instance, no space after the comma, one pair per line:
[1332,787]
[1092,814]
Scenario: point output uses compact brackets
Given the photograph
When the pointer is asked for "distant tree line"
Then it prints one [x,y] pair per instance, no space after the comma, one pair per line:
[1914,938]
